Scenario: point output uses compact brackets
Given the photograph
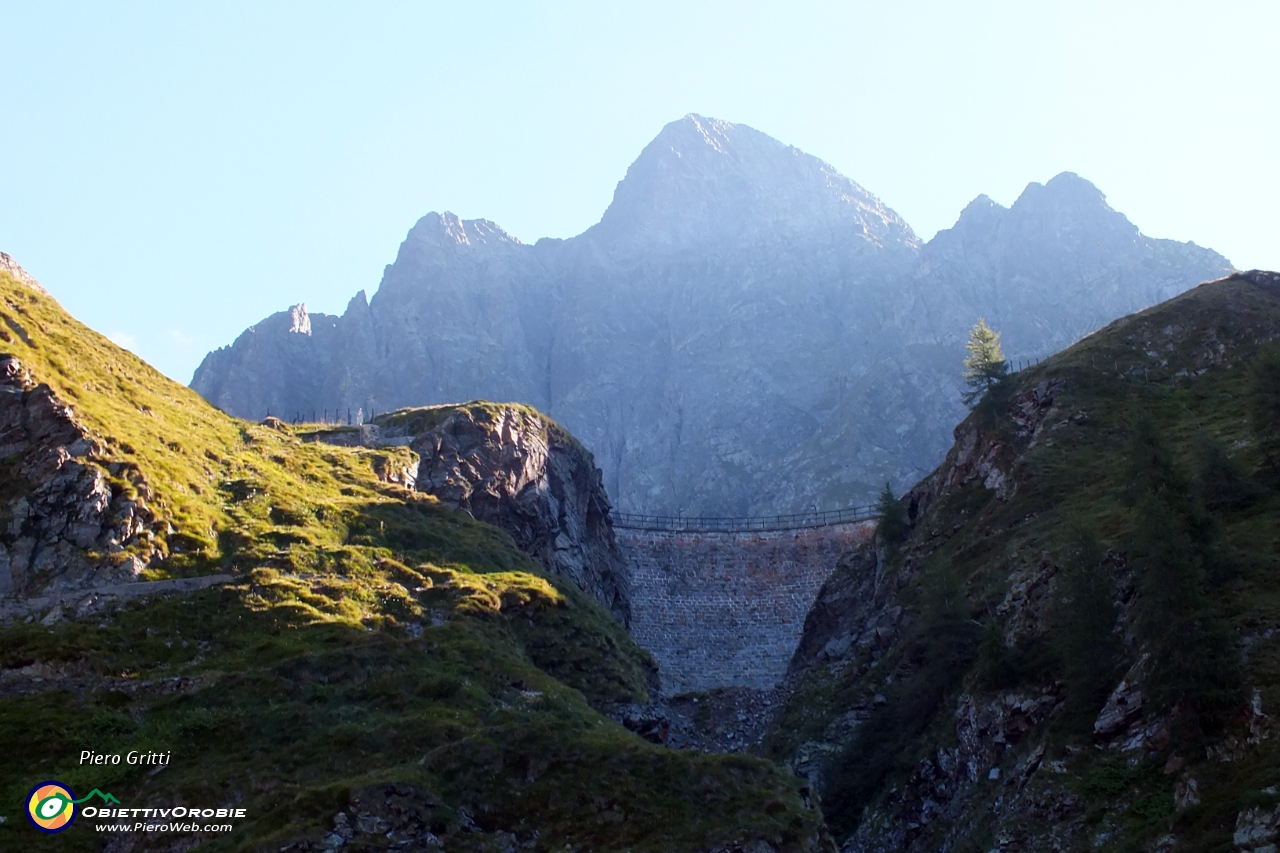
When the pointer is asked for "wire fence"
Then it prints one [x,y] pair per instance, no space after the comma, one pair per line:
[725,524]
[330,417]
[1016,365]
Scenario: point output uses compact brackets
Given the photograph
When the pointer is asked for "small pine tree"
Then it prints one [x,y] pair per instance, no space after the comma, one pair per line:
[985,366]
[893,526]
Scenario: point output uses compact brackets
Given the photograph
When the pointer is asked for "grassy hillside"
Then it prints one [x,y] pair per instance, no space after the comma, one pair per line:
[1113,513]
[377,656]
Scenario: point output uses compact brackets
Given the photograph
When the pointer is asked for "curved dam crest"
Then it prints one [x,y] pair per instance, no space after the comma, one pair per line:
[726,608]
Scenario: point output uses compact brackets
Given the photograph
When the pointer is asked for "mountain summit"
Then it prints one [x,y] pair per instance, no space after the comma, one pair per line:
[703,181]
[745,331]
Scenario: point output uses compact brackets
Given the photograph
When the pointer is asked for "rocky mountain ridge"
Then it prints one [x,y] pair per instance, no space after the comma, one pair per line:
[745,331]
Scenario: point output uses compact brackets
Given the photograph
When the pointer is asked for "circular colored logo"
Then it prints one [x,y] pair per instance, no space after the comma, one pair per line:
[51,806]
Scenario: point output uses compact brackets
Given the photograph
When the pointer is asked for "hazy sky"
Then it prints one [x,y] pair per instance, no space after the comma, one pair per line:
[174,172]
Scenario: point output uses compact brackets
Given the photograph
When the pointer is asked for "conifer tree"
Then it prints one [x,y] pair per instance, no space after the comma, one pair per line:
[985,366]
[893,526]
[1175,550]
[1091,650]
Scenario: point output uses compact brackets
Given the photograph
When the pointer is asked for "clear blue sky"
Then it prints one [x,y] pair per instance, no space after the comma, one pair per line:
[174,172]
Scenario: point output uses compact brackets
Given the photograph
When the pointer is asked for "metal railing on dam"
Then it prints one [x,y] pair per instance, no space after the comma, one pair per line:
[724,524]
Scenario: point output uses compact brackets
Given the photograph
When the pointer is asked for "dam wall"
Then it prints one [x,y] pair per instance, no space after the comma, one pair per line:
[725,609]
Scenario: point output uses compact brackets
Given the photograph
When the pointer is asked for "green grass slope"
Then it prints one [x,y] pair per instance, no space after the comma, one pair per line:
[378,655]
[1114,514]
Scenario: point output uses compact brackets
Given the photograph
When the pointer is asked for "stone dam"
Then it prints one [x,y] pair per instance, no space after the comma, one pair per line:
[726,609]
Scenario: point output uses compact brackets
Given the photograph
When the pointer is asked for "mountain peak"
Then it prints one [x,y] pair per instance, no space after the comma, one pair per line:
[449,229]
[1065,191]
[1071,182]
[982,212]
[358,303]
[1066,206]
[705,180]
[693,130]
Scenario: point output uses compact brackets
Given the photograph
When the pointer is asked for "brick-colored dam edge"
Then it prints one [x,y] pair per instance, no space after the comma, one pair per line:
[727,609]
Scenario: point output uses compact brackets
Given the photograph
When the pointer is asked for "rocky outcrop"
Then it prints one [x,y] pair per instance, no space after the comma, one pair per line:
[851,613]
[1257,829]
[745,331]
[512,467]
[1124,704]
[988,455]
[518,471]
[70,518]
[10,266]
[945,782]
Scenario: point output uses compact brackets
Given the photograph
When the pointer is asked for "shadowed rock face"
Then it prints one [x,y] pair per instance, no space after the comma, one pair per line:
[516,470]
[745,331]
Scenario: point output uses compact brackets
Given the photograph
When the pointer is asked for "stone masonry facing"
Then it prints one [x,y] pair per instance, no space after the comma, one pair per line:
[727,609]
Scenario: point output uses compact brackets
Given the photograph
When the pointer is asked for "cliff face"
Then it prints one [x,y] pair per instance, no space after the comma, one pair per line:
[984,685]
[745,331]
[517,470]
